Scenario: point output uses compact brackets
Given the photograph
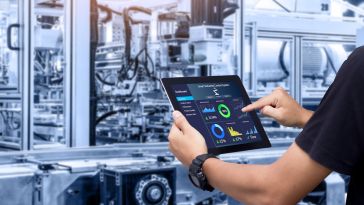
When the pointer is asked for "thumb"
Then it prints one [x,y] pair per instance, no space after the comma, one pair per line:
[180,121]
[271,112]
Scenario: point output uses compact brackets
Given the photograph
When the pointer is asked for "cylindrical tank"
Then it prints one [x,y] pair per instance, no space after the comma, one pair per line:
[274,60]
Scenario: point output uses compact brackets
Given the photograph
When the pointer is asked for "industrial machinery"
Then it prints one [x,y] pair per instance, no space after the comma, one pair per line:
[10,76]
[137,42]
[34,76]
[8,44]
[300,58]
[302,54]
[144,45]
[320,64]
[140,42]
[10,132]
[124,176]
[138,185]
[49,63]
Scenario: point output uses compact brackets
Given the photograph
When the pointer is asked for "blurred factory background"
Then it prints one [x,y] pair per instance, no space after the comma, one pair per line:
[83,118]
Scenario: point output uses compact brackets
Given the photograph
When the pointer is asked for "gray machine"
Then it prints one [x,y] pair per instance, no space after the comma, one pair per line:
[10,75]
[33,87]
[123,175]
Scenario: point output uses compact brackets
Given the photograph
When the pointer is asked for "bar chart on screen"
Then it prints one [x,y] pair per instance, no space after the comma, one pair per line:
[234,133]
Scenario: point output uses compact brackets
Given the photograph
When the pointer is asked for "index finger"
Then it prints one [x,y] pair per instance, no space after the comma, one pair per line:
[262,102]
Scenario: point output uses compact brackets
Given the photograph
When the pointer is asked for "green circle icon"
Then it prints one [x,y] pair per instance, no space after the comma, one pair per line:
[224,111]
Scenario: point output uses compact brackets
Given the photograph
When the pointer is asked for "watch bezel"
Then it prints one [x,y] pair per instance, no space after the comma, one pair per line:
[195,181]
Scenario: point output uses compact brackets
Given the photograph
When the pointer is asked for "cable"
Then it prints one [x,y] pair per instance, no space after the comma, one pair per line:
[42,137]
[108,9]
[158,110]
[229,12]
[229,9]
[140,9]
[94,35]
[57,80]
[173,16]
[108,16]
[52,4]
[109,114]
[313,77]
[128,30]
[283,7]
[104,80]
[152,63]
[134,62]
[4,118]
[127,36]
[330,60]
[281,59]
[15,125]
[38,67]
[133,89]
[137,67]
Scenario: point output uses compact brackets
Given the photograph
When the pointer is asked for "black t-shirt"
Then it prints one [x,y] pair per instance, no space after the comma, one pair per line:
[334,136]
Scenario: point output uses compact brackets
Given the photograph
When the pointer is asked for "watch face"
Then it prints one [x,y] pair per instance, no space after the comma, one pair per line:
[195,181]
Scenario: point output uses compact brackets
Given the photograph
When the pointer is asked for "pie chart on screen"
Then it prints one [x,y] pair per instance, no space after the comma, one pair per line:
[217,131]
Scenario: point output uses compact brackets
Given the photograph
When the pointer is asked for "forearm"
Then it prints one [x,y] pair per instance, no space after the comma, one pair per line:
[284,182]
[247,183]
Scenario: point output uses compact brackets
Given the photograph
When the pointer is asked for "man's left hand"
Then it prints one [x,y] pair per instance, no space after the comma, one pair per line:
[185,142]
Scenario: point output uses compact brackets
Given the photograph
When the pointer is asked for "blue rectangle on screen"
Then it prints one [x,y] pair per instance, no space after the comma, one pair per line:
[185,98]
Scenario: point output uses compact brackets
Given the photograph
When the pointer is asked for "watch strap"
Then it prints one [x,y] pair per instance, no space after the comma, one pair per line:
[204,157]
[196,169]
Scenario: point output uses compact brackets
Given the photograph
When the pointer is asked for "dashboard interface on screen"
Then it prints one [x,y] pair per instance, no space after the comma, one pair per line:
[214,109]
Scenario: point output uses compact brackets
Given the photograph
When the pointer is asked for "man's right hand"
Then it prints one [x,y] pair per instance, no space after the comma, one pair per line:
[280,106]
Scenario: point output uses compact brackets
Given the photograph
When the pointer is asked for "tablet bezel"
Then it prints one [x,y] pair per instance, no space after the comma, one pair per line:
[264,143]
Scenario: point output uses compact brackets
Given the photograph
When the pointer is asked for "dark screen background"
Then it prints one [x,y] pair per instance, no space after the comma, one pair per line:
[214,109]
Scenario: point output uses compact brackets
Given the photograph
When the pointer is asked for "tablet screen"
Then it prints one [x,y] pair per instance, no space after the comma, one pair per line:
[212,105]
[214,109]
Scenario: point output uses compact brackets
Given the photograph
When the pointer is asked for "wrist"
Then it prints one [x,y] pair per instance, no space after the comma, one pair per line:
[194,156]
[305,117]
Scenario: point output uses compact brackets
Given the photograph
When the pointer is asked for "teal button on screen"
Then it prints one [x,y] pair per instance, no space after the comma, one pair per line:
[185,98]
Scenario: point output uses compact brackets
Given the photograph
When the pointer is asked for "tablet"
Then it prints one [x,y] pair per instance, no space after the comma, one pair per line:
[212,105]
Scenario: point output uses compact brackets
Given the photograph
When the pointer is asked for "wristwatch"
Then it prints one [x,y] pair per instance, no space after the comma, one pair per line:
[196,174]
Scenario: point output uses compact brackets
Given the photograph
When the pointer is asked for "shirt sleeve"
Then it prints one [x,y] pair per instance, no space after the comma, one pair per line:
[334,136]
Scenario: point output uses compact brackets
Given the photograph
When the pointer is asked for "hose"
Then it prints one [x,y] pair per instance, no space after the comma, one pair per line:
[140,9]
[93,48]
[281,60]
[127,36]
[107,9]
[229,12]
[128,30]
[229,9]
[109,114]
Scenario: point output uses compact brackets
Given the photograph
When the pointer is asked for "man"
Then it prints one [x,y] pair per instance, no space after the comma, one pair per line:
[332,140]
